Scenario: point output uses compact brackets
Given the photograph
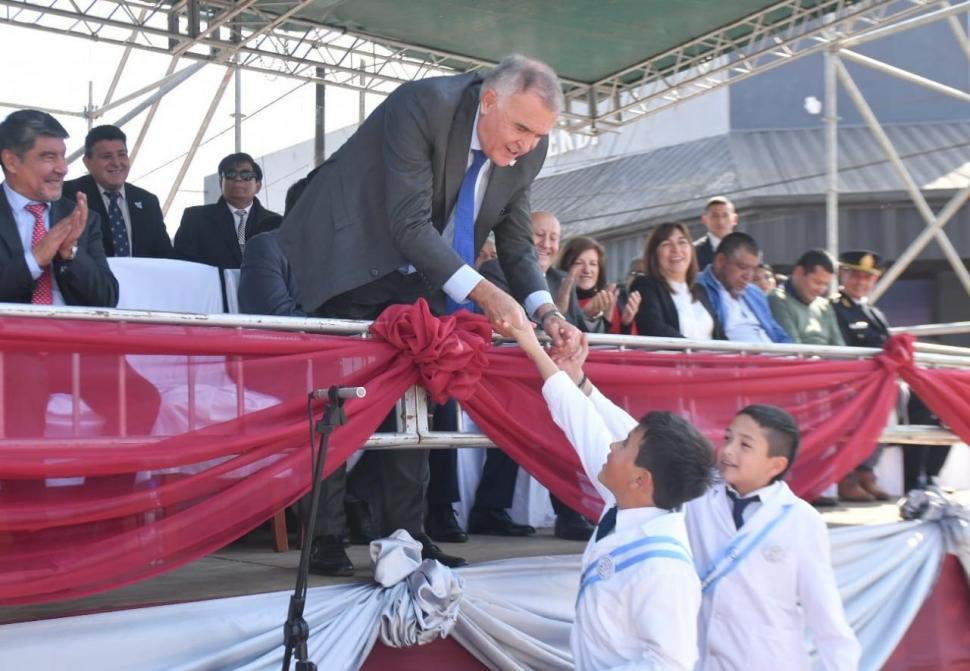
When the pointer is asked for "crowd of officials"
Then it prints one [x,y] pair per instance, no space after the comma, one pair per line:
[382,222]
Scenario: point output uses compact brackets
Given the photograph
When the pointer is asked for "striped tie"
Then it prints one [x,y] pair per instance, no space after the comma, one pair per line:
[43,289]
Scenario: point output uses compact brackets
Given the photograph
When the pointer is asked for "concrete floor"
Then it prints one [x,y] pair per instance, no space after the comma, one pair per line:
[251,566]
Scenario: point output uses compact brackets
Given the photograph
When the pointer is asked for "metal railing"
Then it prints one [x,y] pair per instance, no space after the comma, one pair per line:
[413,408]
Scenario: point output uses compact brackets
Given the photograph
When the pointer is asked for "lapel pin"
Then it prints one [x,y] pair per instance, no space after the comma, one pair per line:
[138,204]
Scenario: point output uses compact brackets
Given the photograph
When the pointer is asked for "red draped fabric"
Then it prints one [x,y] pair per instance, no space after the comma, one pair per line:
[127,450]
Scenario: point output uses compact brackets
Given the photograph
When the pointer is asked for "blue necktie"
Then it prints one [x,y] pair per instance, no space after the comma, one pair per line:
[116,221]
[607,524]
[738,505]
[464,242]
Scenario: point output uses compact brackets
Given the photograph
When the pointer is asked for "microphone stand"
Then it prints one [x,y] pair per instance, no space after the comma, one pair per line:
[296,632]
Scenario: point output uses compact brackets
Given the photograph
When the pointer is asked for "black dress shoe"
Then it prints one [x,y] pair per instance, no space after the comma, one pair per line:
[572,526]
[496,522]
[442,525]
[825,502]
[431,551]
[327,557]
[360,525]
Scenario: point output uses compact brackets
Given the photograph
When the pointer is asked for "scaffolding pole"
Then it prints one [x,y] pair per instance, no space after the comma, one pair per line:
[831,155]
[197,140]
[909,183]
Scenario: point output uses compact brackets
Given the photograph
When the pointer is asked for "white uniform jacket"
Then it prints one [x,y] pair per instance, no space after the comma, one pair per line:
[754,617]
[639,593]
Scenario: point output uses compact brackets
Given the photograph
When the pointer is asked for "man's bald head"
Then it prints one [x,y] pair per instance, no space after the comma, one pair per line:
[545,235]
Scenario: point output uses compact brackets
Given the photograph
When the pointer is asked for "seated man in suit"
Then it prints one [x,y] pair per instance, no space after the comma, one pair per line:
[742,308]
[215,234]
[131,218]
[719,219]
[51,254]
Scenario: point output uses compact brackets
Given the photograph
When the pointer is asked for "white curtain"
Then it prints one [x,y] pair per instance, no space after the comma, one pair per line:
[512,614]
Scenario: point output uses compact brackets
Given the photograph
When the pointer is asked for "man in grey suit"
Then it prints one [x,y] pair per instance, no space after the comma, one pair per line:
[400,210]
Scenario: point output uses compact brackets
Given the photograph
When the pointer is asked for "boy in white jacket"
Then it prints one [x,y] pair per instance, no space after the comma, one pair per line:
[639,594]
[761,552]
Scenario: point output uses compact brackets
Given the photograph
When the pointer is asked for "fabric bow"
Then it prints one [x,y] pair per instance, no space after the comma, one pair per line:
[449,352]
[897,353]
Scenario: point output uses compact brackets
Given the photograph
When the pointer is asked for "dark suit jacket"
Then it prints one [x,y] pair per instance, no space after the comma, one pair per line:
[148,235]
[86,280]
[704,251]
[657,315]
[207,233]
[491,270]
[381,201]
[266,285]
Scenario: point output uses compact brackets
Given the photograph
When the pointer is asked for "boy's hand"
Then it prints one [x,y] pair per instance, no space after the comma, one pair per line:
[572,362]
[526,337]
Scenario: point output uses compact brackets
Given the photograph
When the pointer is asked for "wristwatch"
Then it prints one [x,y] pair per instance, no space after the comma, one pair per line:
[554,312]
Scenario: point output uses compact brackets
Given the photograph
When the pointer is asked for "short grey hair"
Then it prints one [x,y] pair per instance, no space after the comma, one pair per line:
[518,74]
[20,130]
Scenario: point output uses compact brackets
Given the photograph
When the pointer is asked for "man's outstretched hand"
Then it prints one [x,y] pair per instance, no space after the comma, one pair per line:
[501,309]
[565,337]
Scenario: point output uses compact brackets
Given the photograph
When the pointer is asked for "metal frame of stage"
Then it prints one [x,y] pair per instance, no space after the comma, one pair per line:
[414,430]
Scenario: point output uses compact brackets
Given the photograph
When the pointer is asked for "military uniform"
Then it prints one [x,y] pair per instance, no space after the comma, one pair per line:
[862,325]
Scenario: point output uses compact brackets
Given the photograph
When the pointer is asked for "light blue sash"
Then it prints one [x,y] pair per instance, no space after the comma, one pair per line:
[620,559]
[734,553]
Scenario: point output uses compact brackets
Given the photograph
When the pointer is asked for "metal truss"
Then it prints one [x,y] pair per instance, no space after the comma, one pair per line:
[269,36]
[757,43]
[836,73]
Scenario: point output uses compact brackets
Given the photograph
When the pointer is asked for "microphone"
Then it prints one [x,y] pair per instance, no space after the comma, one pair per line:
[340,392]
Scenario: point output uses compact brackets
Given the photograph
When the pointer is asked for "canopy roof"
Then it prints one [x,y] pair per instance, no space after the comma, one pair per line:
[584,41]
[619,59]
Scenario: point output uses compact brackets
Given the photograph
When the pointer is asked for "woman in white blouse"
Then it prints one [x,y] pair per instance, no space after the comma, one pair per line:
[671,305]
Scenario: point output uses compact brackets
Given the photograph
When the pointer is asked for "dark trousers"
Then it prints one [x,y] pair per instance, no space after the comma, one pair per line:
[496,489]
[443,464]
[399,476]
[921,462]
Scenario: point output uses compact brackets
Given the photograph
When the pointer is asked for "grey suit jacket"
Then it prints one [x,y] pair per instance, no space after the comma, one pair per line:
[87,280]
[381,201]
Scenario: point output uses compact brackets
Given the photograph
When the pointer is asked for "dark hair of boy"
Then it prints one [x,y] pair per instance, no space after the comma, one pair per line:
[680,459]
[814,258]
[99,133]
[735,241]
[781,432]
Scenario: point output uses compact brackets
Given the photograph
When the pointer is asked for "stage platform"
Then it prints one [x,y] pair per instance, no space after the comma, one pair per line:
[250,566]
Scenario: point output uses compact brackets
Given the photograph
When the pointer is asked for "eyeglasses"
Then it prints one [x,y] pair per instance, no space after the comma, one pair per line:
[245,175]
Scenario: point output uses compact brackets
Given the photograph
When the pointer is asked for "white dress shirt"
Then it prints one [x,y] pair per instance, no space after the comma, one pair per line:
[758,614]
[741,323]
[25,228]
[639,594]
[695,321]
[461,283]
[235,217]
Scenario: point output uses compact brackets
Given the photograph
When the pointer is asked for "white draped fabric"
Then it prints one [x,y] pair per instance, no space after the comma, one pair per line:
[513,614]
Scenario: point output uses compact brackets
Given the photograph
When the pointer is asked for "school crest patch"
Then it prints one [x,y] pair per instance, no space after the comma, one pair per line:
[605,567]
[773,553]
